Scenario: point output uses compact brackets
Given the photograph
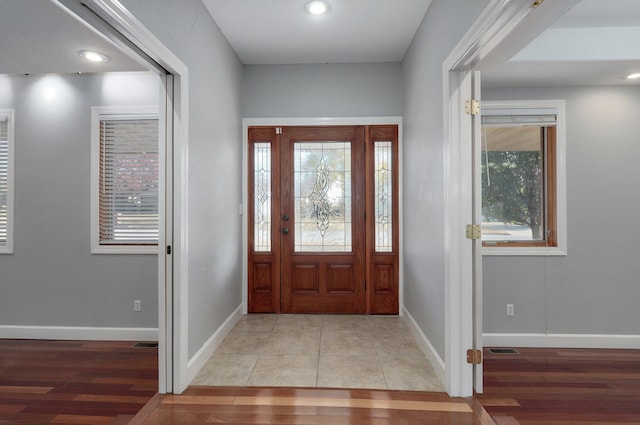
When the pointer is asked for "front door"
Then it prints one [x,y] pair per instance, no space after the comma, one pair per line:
[322,222]
[312,248]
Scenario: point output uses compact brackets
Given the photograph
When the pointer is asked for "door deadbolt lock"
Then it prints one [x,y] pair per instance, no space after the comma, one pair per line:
[285,217]
[285,231]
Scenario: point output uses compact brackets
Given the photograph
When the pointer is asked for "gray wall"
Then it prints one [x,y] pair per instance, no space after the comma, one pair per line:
[322,90]
[444,25]
[52,279]
[594,289]
[215,158]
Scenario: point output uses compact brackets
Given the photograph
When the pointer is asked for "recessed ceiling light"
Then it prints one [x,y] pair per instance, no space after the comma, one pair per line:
[317,7]
[93,56]
[633,76]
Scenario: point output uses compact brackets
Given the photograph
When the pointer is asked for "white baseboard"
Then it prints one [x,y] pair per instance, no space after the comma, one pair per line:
[78,333]
[561,340]
[198,361]
[423,342]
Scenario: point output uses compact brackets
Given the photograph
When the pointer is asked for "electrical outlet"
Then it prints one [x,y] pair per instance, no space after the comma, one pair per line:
[137,305]
[510,310]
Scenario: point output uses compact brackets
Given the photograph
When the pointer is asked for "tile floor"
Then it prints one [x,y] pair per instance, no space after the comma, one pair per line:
[325,351]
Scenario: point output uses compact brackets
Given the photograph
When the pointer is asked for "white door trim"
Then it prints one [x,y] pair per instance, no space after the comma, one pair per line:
[326,121]
[172,289]
[492,27]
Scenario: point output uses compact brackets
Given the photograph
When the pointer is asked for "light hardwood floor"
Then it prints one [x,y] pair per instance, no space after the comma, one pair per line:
[312,406]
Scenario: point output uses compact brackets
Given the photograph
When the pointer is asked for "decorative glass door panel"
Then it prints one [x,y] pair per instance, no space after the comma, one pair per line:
[322,197]
[383,192]
[262,196]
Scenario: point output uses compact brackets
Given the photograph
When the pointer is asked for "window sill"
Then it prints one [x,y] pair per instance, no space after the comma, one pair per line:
[123,249]
[523,251]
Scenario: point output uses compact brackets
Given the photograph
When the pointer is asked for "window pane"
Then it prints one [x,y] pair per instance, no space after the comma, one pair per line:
[513,184]
[383,197]
[322,192]
[262,196]
[4,180]
[129,182]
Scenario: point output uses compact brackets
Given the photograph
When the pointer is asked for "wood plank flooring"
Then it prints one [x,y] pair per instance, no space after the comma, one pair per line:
[70,382]
[309,406]
[74,382]
[563,386]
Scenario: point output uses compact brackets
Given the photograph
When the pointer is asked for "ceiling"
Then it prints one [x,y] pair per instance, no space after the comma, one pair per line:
[38,36]
[595,43]
[282,32]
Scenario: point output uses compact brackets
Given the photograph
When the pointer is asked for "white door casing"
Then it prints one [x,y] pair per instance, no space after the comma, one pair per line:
[463,298]
[132,37]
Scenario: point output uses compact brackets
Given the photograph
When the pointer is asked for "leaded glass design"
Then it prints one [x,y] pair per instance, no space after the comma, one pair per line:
[383,196]
[262,197]
[322,193]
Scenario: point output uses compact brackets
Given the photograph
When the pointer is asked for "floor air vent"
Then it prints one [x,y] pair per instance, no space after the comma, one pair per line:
[146,345]
[503,351]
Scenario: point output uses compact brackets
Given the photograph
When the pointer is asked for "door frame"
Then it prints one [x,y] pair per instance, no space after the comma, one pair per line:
[462,293]
[134,39]
[310,121]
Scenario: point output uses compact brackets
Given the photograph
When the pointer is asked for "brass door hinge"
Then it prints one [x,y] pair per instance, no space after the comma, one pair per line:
[472,107]
[474,231]
[474,356]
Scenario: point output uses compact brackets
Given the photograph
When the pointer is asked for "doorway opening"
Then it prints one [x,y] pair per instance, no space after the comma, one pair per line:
[323,222]
[109,19]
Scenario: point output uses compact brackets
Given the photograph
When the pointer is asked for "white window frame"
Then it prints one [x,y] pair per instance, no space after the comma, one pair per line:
[99,113]
[557,107]
[9,114]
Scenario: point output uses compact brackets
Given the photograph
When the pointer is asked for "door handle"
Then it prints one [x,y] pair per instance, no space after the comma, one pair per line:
[285,231]
[285,217]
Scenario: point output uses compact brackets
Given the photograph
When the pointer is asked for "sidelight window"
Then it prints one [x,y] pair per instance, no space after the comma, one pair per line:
[383,192]
[262,179]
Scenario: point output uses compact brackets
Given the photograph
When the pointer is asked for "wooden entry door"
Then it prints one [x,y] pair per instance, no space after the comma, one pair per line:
[322,223]
[312,248]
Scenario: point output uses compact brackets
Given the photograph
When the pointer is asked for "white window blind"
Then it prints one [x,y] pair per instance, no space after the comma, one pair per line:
[508,117]
[4,179]
[128,181]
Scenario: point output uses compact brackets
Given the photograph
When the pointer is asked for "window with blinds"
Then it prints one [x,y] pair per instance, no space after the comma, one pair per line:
[127,181]
[6,180]
[523,190]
